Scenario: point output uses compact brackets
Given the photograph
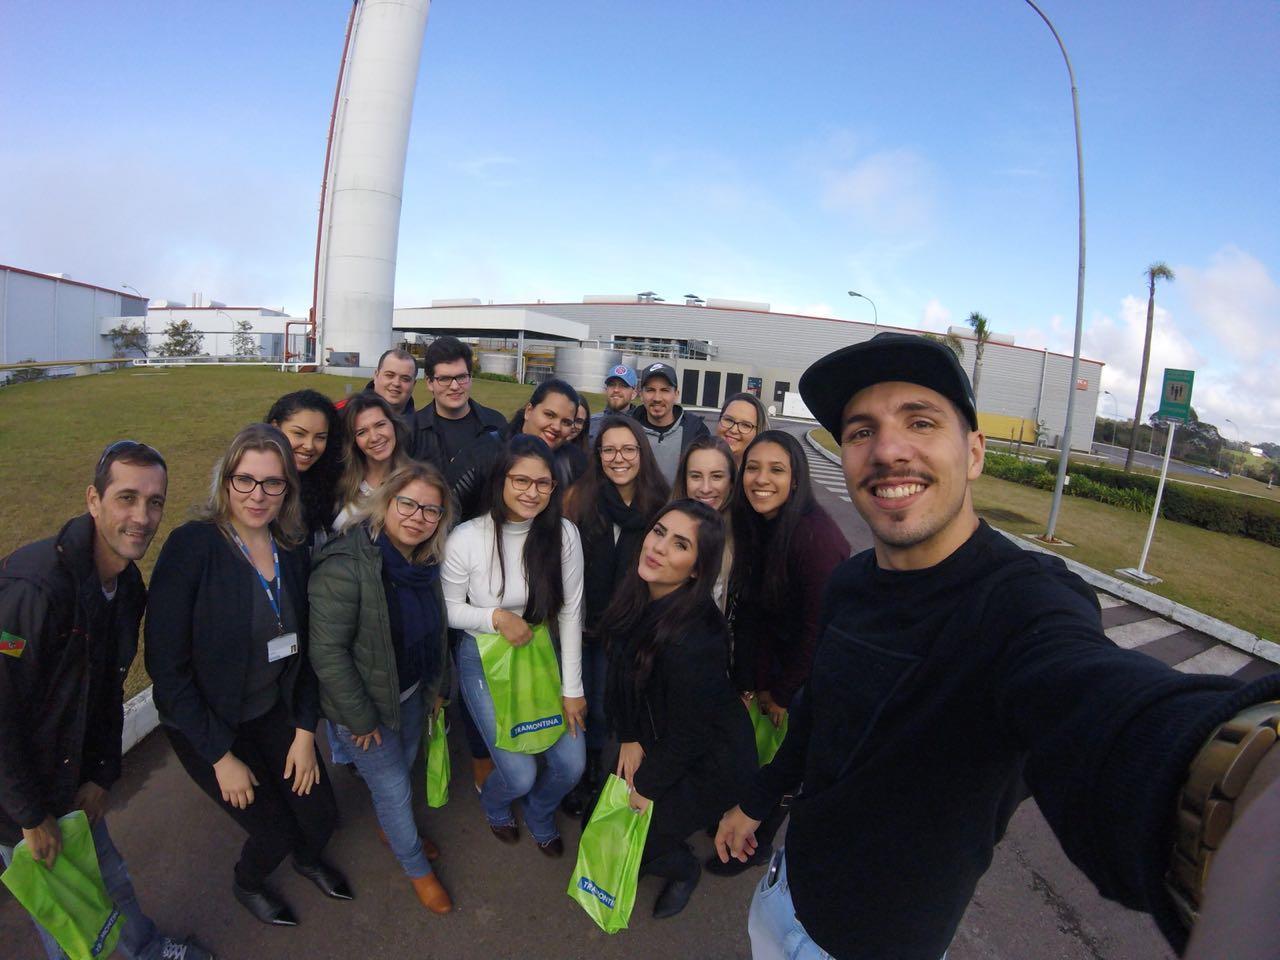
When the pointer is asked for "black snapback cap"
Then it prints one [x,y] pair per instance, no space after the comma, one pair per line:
[829,383]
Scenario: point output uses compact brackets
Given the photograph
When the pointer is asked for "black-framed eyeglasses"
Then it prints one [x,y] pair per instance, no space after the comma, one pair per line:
[407,507]
[125,446]
[461,380]
[741,427]
[544,485]
[272,486]
[628,451]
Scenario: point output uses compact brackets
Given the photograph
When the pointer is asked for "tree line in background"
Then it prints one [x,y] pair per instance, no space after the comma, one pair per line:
[181,339]
[1196,442]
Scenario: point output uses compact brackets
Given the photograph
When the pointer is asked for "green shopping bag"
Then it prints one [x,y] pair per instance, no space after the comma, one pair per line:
[768,737]
[69,900]
[608,869]
[525,685]
[438,768]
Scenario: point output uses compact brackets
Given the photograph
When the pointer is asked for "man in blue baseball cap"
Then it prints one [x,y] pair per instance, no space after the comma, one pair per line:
[619,392]
[955,670]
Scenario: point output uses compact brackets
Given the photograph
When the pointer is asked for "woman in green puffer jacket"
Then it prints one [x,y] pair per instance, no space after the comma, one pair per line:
[379,650]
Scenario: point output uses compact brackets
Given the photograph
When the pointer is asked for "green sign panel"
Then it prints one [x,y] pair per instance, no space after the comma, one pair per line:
[1175,395]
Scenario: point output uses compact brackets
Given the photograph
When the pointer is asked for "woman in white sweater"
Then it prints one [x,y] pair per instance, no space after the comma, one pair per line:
[507,570]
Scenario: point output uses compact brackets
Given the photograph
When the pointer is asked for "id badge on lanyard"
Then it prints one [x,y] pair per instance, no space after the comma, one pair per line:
[284,644]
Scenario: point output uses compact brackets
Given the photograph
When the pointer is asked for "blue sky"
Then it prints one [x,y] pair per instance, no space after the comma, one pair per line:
[919,152]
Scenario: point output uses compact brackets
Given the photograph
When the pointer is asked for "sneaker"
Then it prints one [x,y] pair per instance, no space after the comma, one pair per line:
[183,950]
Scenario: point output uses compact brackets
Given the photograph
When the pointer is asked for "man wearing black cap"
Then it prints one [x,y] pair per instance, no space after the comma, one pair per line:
[669,428]
[953,667]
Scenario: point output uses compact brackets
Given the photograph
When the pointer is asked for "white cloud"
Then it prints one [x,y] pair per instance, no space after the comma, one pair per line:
[935,316]
[1236,300]
[887,192]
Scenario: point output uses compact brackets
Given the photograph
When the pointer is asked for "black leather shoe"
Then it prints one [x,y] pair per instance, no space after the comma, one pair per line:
[265,905]
[327,880]
[675,896]
[507,833]
[736,866]
[553,848]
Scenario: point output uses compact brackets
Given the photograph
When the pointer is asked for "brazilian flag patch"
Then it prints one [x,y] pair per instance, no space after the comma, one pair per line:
[11,645]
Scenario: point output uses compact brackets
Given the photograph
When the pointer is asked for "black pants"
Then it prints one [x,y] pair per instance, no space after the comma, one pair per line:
[279,821]
[684,809]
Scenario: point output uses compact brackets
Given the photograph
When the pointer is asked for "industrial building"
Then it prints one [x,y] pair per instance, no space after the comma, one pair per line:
[721,347]
[50,317]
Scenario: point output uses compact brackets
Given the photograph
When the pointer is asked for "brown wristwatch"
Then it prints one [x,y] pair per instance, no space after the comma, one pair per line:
[1207,801]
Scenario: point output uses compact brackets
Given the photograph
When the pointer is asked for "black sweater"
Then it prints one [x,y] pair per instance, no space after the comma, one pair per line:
[932,692]
[687,716]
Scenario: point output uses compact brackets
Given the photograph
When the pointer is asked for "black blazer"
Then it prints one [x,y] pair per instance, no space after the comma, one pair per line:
[197,637]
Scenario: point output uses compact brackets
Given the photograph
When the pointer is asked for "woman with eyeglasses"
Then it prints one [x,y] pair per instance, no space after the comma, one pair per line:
[785,547]
[612,505]
[742,418]
[550,415]
[505,572]
[226,648]
[685,743]
[313,427]
[706,473]
[579,435]
[379,647]
[376,444]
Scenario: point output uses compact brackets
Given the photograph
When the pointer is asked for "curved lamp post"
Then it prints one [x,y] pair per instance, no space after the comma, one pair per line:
[1075,358]
[1115,408]
[874,312]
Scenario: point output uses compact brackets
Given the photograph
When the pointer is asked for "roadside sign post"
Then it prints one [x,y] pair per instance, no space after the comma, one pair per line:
[1175,408]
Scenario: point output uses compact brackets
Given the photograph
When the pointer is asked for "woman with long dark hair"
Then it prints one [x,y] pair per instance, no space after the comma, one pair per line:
[226,648]
[685,743]
[313,427]
[380,650]
[579,436]
[612,505]
[785,547]
[376,444]
[550,415]
[706,473]
[507,571]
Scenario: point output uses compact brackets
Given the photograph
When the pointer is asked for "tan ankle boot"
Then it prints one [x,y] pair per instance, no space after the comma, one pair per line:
[431,894]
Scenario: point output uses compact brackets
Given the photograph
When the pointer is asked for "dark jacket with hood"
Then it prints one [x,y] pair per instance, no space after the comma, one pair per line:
[64,653]
[669,442]
[468,472]
[351,646]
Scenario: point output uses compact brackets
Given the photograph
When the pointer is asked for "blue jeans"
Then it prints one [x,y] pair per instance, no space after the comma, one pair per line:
[387,771]
[595,673]
[138,938]
[775,932]
[517,775]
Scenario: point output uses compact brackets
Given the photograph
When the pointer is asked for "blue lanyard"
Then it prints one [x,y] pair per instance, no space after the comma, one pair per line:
[275,559]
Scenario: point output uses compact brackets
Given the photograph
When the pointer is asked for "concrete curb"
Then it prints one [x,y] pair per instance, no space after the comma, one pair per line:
[140,718]
[1161,606]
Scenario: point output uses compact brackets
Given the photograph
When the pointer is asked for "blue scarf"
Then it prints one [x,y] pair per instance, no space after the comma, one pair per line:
[414,615]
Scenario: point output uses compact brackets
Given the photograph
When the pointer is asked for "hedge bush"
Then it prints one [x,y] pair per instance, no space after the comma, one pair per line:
[1218,510]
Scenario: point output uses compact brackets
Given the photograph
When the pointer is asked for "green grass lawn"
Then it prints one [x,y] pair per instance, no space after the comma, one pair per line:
[1231,578]
[53,431]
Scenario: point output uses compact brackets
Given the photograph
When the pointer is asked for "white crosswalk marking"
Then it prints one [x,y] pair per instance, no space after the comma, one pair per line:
[1220,659]
[1135,634]
[1106,600]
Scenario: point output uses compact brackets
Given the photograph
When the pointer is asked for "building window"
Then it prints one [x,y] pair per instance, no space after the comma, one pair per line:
[780,388]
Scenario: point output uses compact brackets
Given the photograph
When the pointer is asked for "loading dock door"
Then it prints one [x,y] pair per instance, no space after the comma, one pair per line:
[689,386]
[711,389]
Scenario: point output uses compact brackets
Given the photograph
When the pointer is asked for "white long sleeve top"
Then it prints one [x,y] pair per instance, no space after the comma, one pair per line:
[471,581]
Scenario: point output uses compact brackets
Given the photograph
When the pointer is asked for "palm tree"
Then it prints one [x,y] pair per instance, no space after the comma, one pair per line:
[981,333]
[948,340]
[1157,271]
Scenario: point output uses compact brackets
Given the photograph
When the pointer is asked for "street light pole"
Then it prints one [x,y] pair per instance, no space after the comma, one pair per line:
[1061,481]
[1237,426]
[874,312]
[1115,408]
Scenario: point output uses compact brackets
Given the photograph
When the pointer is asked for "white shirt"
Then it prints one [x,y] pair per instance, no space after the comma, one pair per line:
[471,579]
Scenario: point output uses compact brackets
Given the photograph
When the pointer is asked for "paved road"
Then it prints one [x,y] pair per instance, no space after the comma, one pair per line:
[1032,904]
